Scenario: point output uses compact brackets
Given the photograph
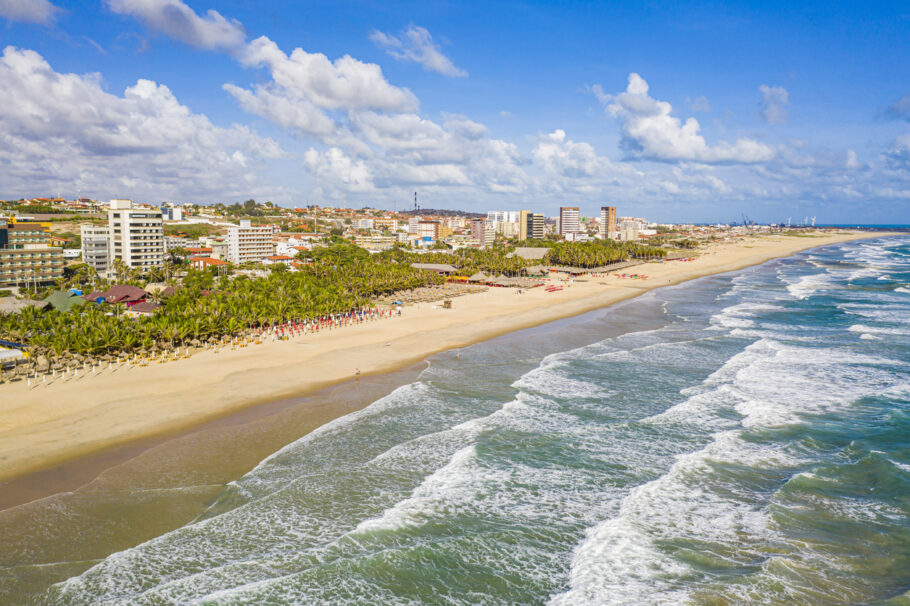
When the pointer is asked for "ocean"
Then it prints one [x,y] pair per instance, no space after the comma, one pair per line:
[738,439]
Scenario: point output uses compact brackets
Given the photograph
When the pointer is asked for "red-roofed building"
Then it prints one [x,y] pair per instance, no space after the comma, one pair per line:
[205,262]
[278,259]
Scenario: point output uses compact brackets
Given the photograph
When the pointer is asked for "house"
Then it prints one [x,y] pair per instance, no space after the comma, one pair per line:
[206,262]
[145,308]
[278,260]
[119,293]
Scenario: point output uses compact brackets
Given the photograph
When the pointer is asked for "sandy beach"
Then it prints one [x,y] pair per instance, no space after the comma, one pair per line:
[43,426]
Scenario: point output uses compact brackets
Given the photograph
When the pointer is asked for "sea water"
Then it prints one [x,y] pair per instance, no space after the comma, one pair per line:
[740,439]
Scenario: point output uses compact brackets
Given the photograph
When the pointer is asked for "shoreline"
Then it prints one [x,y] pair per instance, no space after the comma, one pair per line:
[45,427]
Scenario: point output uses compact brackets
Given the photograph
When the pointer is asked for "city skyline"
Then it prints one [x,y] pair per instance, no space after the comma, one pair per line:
[779,114]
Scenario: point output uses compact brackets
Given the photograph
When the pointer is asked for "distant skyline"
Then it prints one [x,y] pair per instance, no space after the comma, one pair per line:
[674,111]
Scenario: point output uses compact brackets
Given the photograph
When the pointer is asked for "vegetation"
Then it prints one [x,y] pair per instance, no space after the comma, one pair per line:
[206,306]
[598,253]
[336,278]
[249,208]
[193,230]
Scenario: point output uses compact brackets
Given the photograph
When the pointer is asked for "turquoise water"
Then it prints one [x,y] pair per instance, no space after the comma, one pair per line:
[741,439]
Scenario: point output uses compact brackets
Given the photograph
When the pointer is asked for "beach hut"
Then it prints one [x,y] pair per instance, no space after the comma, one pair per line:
[145,308]
[63,300]
[124,293]
[440,268]
[478,277]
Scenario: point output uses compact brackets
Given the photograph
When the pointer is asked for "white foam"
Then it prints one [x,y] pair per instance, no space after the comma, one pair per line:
[806,286]
[866,272]
[865,329]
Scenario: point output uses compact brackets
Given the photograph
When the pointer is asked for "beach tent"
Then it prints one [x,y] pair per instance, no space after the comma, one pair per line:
[63,300]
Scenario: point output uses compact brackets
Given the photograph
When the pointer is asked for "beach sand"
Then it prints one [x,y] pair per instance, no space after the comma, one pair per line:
[44,426]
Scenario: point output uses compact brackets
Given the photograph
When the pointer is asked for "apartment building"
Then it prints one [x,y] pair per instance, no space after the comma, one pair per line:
[385,223]
[428,229]
[607,222]
[26,256]
[96,246]
[249,244]
[136,235]
[530,225]
[569,220]
[483,231]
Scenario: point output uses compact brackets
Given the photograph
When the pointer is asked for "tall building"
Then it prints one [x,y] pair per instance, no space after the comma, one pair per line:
[171,213]
[569,217]
[26,256]
[428,229]
[530,225]
[607,221]
[248,244]
[483,231]
[96,246]
[503,216]
[136,235]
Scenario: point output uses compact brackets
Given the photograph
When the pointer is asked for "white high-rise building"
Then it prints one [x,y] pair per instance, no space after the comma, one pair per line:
[248,244]
[136,235]
[569,220]
[503,216]
[96,246]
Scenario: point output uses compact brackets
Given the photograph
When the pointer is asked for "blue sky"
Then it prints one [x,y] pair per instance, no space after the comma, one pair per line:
[674,111]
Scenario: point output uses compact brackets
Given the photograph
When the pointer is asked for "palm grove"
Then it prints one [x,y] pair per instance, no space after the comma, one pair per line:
[338,278]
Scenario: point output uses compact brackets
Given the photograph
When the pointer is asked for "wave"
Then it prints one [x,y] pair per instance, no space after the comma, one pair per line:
[806,286]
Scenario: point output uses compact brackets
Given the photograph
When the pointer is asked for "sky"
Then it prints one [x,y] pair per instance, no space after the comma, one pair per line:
[677,111]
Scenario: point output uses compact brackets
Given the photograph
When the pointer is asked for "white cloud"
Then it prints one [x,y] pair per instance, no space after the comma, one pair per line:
[29,11]
[373,136]
[900,109]
[774,102]
[416,45]
[337,168]
[307,88]
[898,154]
[177,20]
[650,131]
[700,104]
[66,134]
[562,157]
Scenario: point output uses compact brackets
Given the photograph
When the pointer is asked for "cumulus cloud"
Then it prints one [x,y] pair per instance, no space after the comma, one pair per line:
[650,131]
[305,88]
[562,157]
[29,11]
[773,104]
[65,134]
[900,109]
[177,20]
[373,136]
[408,150]
[416,45]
